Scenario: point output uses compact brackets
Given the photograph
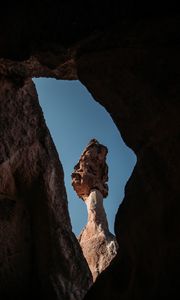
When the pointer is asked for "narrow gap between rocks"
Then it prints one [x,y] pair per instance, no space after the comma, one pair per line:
[78,124]
[74,118]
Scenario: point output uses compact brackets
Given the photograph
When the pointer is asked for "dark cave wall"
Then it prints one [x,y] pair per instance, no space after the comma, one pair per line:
[39,255]
[139,86]
[31,27]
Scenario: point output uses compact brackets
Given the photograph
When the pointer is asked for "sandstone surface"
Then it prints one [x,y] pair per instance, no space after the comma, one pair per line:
[99,246]
[91,172]
[89,180]
[36,239]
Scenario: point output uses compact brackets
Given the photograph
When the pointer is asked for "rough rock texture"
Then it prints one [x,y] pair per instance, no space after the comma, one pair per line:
[138,83]
[128,58]
[89,180]
[91,172]
[99,246]
[39,254]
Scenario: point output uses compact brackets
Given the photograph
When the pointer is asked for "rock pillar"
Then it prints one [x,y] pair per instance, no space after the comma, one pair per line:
[96,213]
[89,180]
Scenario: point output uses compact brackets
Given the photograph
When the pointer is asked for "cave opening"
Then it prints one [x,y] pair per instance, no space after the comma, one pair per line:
[74,118]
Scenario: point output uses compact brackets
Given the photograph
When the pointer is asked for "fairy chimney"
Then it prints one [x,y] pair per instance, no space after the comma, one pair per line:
[89,180]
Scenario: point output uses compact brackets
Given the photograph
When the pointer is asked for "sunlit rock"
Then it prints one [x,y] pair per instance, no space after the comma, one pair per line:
[89,180]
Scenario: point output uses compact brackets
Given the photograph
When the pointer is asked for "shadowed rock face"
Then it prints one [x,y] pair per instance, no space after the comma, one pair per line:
[89,180]
[35,231]
[131,66]
[139,87]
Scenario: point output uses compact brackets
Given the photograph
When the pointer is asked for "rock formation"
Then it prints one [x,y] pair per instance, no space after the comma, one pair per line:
[89,180]
[36,239]
[91,172]
[127,55]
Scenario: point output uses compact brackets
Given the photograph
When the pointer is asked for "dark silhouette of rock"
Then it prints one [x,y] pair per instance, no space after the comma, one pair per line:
[140,90]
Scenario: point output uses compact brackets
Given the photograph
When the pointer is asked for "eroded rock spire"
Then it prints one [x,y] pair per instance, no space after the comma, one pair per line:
[91,172]
[89,180]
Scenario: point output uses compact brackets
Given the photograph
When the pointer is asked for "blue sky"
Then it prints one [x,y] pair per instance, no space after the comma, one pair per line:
[73,118]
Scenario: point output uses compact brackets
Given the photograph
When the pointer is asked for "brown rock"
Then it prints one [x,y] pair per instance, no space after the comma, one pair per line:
[99,246]
[39,254]
[91,172]
[89,179]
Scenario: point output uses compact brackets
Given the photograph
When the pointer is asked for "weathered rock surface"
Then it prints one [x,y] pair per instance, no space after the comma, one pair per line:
[39,254]
[99,246]
[130,64]
[91,172]
[89,180]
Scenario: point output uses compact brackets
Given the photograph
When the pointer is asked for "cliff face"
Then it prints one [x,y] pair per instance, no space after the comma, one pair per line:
[36,238]
[131,66]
